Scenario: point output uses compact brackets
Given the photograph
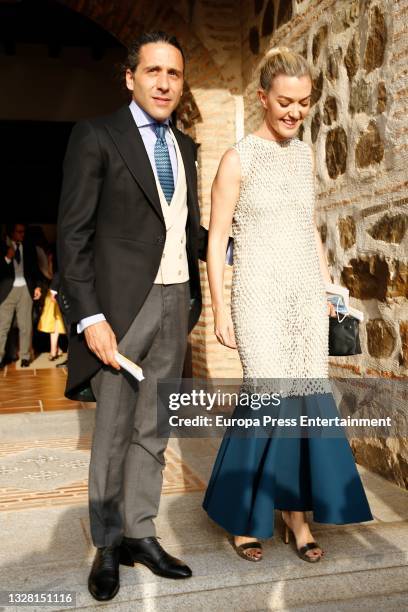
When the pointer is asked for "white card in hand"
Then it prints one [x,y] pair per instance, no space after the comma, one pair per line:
[129,366]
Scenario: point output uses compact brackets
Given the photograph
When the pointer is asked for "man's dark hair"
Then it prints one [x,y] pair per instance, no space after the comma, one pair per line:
[133,56]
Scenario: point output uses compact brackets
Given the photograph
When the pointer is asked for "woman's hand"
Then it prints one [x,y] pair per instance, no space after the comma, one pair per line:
[224,329]
[331,309]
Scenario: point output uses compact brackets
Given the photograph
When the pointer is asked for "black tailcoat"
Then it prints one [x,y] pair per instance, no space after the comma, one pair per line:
[111,232]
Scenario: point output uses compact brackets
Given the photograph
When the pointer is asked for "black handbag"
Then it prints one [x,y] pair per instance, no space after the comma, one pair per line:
[344,338]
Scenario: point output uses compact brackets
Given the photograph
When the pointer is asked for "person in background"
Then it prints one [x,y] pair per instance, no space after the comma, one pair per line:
[19,286]
[51,321]
[54,288]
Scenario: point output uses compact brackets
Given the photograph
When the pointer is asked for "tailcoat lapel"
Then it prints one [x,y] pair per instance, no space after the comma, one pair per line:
[129,143]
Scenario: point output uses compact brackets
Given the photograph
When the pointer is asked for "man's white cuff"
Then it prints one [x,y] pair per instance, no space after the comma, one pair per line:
[84,323]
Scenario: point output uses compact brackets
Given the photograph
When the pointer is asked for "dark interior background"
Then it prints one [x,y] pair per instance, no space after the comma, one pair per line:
[56,67]
[32,150]
[31,158]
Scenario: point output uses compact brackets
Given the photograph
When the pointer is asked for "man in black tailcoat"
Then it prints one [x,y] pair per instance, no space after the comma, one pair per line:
[128,245]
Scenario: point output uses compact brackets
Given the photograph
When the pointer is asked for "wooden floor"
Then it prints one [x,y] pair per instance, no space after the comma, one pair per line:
[34,390]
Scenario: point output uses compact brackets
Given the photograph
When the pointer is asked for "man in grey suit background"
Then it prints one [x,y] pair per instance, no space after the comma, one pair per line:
[20,279]
[128,244]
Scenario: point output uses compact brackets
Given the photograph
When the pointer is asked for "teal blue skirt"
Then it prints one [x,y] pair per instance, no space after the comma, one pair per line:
[262,470]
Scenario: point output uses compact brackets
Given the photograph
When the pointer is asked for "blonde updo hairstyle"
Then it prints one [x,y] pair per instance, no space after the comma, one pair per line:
[281,60]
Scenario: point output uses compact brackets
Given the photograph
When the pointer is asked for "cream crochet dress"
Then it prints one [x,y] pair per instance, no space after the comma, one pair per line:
[278,301]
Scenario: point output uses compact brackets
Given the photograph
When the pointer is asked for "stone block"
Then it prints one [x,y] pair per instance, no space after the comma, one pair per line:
[317,88]
[390,228]
[285,12]
[319,40]
[376,41]
[330,110]
[381,97]
[360,98]
[398,282]
[268,19]
[403,330]
[347,231]
[375,454]
[332,69]
[254,40]
[315,125]
[336,152]
[366,277]
[351,60]
[370,147]
[381,338]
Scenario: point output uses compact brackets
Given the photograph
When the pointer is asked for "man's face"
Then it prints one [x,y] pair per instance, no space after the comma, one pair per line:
[157,83]
[18,233]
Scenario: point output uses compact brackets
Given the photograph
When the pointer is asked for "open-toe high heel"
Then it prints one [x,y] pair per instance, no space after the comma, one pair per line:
[302,551]
[241,548]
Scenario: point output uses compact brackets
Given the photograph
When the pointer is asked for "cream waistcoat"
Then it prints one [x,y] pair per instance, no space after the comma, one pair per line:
[174,263]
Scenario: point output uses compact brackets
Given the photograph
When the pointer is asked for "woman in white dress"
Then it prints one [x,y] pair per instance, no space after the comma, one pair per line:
[279,323]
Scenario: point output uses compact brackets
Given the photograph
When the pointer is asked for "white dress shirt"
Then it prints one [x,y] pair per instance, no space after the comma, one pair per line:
[19,280]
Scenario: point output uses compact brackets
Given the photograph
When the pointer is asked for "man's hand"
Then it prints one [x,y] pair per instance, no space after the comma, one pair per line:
[101,340]
[37,293]
[10,253]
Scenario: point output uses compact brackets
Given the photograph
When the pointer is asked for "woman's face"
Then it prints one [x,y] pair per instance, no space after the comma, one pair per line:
[287,103]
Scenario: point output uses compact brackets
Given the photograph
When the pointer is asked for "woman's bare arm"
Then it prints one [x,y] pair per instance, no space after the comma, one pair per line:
[224,195]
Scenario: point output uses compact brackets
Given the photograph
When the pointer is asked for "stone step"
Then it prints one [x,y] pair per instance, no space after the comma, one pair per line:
[362,563]
[386,603]
[49,547]
[222,592]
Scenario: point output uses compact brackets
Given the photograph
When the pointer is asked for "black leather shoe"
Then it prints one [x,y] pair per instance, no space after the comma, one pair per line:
[103,581]
[149,552]
[25,363]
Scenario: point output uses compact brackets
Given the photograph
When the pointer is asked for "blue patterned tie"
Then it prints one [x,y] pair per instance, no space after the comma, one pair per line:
[163,163]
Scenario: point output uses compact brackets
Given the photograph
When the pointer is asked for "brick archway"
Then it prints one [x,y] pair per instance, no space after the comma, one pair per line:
[130,18]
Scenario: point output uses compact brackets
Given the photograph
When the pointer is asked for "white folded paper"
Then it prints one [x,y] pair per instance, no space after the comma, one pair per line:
[129,366]
[338,292]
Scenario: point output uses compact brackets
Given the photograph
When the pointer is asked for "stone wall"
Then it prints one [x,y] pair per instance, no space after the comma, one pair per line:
[358,129]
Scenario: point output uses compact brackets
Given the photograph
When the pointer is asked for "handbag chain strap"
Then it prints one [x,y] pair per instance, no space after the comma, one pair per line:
[337,312]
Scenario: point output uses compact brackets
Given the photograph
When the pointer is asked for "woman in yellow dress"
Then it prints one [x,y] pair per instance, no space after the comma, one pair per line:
[51,321]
